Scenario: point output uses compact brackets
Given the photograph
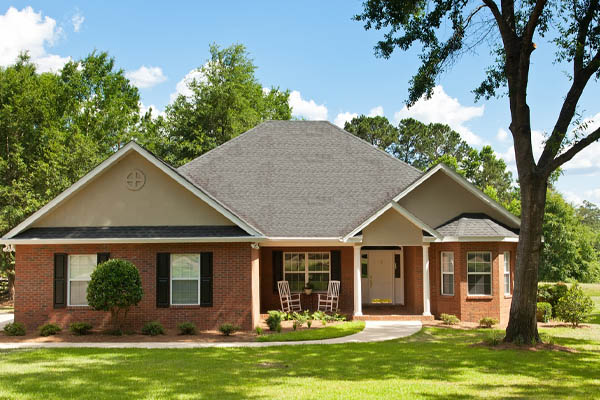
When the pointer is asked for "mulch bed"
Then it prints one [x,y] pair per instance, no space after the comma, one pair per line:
[171,335]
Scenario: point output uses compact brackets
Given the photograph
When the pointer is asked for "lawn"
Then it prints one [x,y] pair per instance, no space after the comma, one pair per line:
[593,290]
[436,363]
[327,332]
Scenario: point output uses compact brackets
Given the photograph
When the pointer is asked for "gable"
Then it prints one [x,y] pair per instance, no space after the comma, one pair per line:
[392,229]
[107,201]
[441,198]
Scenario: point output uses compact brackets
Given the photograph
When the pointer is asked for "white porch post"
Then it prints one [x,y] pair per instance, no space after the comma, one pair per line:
[426,290]
[357,282]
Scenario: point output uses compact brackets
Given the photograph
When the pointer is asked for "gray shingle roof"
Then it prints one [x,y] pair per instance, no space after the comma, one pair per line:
[131,232]
[300,178]
[479,225]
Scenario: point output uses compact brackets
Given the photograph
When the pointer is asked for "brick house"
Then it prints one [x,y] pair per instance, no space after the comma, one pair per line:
[301,201]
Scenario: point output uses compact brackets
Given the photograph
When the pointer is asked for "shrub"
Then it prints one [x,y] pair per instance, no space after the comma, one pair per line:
[49,329]
[309,323]
[278,329]
[187,328]
[115,286]
[274,320]
[80,328]
[551,293]
[487,322]
[153,329]
[14,329]
[259,330]
[575,306]
[295,325]
[494,338]
[450,319]
[228,329]
[544,312]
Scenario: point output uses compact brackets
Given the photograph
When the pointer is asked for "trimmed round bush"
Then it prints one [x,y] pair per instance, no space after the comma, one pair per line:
[80,328]
[551,293]
[575,306]
[187,328]
[228,329]
[449,319]
[49,329]
[544,312]
[487,322]
[153,328]
[115,286]
[14,329]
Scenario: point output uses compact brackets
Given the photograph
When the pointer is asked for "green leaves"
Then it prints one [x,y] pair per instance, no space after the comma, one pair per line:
[115,284]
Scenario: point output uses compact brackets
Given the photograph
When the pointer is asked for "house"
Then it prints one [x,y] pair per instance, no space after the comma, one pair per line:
[288,200]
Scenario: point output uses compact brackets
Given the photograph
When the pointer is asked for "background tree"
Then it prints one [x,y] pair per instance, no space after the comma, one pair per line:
[226,101]
[54,128]
[376,130]
[571,27]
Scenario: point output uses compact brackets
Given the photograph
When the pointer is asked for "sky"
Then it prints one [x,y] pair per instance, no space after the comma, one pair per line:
[312,48]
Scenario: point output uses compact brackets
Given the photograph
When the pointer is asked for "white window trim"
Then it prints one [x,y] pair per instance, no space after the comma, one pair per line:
[481,273]
[446,273]
[507,263]
[306,272]
[75,280]
[171,279]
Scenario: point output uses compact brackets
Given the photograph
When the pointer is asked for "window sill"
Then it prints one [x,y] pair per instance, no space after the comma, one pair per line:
[479,298]
[508,296]
[187,306]
[71,308]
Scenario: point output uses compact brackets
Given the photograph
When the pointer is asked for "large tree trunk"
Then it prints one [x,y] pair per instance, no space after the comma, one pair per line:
[522,325]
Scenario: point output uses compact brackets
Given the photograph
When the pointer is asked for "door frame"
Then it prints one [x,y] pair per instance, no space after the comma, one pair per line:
[365,282]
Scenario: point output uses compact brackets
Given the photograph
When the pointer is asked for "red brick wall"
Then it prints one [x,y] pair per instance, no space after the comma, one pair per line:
[471,308]
[269,299]
[232,291]
[413,273]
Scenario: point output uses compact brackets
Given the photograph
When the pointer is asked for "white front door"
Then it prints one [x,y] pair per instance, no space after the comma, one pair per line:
[381,277]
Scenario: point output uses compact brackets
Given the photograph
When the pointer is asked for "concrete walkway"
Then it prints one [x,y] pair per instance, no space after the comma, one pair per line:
[6,319]
[375,331]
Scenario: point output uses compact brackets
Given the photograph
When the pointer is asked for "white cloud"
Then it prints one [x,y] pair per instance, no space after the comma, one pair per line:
[77,21]
[26,30]
[502,135]
[573,197]
[537,142]
[155,110]
[444,109]
[589,157]
[593,195]
[182,86]
[306,108]
[146,77]
[376,112]
[342,118]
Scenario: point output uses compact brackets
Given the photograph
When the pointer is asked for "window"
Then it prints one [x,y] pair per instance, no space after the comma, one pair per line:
[301,268]
[479,273]
[447,273]
[80,270]
[364,265]
[185,279]
[507,273]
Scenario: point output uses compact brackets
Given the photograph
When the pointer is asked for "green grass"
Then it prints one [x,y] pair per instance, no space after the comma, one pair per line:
[327,332]
[436,363]
[593,290]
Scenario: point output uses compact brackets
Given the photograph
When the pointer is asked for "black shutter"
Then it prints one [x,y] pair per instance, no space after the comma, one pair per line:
[206,279]
[60,280]
[336,267]
[163,271]
[102,257]
[277,269]
[397,270]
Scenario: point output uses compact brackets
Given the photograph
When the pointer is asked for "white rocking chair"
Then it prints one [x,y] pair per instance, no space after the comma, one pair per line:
[289,302]
[329,301]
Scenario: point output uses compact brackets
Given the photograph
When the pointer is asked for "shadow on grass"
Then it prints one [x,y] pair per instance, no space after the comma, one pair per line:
[435,363]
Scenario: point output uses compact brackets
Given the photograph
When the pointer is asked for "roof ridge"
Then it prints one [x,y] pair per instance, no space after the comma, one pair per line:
[377,149]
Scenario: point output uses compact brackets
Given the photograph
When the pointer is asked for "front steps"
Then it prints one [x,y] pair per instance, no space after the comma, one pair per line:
[392,317]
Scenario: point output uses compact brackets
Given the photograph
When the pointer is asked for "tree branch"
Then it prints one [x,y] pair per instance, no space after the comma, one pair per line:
[505,29]
[584,27]
[533,20]
[576,148]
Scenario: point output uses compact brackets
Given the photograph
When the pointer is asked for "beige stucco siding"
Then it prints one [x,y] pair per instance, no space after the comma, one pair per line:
[107,201]
[392,229]
[440,199]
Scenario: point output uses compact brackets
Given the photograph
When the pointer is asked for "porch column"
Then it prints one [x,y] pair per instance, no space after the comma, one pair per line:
[357,282]
[426,290]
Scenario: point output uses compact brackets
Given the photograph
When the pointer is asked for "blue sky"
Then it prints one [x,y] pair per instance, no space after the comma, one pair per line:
[312,48]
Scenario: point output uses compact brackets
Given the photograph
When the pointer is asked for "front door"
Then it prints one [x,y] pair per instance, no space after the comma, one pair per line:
[381,277]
